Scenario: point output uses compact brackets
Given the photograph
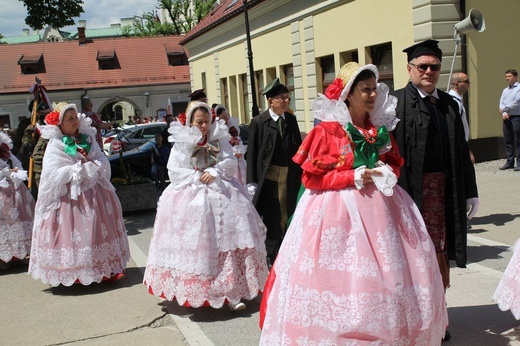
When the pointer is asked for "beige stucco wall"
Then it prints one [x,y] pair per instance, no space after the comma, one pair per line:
[319,29]
[361,24]
[490,54]
[328,29]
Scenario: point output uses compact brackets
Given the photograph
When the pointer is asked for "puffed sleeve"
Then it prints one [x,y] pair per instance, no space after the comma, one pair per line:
[326,158]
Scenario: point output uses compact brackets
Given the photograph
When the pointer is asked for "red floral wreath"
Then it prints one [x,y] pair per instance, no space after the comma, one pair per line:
[182,118]
[334,89]
[53,118]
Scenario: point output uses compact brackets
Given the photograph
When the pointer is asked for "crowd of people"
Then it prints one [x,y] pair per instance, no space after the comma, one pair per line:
[347,234]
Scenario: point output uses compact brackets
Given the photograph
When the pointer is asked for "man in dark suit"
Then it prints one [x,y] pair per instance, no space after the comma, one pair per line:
[438,173]
[272,177]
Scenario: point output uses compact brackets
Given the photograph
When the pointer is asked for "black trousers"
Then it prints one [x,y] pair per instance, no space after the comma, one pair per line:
[269,209]
[511,129]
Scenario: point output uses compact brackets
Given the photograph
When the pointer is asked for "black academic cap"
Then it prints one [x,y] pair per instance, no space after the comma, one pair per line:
[274,88]
[197,95]
[428,47]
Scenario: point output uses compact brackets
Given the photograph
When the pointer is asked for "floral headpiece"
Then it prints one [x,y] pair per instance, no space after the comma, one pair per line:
[53,118]
[340,87]
[332,107]
[182,118]
[56,118]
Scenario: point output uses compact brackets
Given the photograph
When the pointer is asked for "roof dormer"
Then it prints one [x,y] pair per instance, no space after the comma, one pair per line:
[176,56]
[107,60]
[32,64]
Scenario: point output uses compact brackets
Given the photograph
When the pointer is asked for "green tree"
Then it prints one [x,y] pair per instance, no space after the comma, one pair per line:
[56,13]
[148,25]
[183,18]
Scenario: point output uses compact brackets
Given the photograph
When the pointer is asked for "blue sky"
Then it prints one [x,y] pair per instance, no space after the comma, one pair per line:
[98,13]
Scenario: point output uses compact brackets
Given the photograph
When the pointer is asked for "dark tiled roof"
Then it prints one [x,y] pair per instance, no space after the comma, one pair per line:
[220,14]
[69,65]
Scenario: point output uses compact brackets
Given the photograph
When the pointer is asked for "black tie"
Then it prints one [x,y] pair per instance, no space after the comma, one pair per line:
[281,125]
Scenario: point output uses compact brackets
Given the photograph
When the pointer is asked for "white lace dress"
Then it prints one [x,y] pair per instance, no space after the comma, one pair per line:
[79,233]
[16,212]
[507,294]
[208,240]
[357,266]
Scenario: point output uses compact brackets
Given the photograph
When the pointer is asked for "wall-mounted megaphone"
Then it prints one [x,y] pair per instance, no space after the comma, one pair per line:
[474,21]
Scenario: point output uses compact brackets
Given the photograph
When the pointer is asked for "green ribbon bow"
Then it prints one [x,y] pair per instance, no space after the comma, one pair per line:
[71,146]
[366,153]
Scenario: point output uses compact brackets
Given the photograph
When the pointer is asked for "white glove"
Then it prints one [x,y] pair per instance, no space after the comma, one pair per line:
[472,207]
[251,189]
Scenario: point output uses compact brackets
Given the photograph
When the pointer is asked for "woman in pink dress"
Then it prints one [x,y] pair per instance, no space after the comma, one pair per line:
[16,206]
[207,246]
[79,234]
[357,265]
[507,294]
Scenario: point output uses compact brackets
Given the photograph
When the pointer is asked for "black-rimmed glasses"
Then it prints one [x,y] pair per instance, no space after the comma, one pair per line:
[424,67]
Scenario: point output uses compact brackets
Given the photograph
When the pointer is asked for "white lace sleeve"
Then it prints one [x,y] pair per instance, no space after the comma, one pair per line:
[97,156]
[4,174]
[185,138]
[50,131]
[384,109]
[330,110]
[240,148]
[65,174]
[183,134]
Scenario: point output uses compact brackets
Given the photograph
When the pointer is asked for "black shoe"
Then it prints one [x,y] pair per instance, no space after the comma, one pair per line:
[506,166]
[446,337]
[517,168]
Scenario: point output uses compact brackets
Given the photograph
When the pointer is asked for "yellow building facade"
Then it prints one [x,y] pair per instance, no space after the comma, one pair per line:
[305,42]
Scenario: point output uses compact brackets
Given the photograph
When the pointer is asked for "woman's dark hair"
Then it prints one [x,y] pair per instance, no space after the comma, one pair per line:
[363,75]
[220,110]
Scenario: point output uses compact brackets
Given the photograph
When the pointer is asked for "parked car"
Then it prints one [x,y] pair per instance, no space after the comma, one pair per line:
[138,160]
[129,137]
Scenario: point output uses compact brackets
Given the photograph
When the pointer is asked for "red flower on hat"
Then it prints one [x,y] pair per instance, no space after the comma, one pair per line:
[182,118]
[334,89]
[53,118]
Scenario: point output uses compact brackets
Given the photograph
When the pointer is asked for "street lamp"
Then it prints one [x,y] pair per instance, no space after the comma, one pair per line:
[255,111]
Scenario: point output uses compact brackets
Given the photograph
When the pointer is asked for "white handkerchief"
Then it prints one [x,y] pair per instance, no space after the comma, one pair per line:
[385,182]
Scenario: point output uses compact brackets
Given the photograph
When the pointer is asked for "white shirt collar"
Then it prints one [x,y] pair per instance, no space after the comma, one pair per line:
[274,115]
[454,93]
[424,94]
